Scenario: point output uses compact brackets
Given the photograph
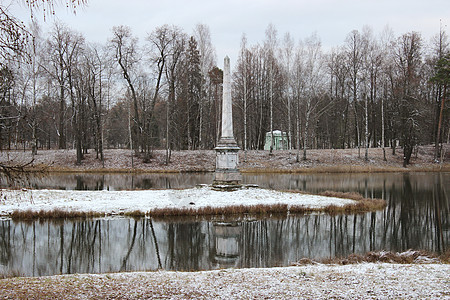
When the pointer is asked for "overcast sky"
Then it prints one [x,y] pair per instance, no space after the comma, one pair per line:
[229,19]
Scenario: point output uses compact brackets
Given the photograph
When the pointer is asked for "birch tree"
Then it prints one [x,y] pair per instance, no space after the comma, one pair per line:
[355,56]
[270,45]
[207,55]
[287,54]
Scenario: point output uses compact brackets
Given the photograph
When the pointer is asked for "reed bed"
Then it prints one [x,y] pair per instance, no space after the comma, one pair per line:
[56,213]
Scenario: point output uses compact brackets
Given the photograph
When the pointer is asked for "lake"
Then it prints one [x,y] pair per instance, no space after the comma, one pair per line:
[417,217]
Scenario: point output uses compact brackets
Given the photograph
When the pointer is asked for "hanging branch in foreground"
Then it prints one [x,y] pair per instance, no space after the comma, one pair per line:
[15,173]
[48,6]
[13,37]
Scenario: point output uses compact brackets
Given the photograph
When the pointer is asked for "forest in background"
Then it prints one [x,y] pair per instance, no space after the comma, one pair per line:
[58,91]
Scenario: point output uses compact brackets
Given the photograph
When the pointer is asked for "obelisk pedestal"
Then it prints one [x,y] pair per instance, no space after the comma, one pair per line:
[227,159]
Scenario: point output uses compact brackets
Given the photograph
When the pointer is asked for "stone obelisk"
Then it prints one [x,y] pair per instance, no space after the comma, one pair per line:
[227,159]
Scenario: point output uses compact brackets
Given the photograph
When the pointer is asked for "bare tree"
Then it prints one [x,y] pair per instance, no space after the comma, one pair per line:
[408,59]
[125,49]
[243,62]
[94,69]
[355,55]
[270,45]
[207,61]
[386,41]
[441,78]
[166,45]
[287,54]
[63,48]
[173,75]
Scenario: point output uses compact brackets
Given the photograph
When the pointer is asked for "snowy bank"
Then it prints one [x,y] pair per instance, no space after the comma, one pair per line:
[361,281]
[123,202]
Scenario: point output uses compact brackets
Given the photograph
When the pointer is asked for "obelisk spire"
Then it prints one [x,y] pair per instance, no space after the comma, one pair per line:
[227,115]
[227,174]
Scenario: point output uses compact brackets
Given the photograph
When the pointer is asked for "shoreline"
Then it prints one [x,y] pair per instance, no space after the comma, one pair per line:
[321,169]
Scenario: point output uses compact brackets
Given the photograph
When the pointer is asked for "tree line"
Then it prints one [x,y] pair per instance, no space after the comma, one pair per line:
[374,90]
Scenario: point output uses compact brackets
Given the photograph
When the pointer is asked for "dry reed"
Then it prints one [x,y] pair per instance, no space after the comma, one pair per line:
[56,213]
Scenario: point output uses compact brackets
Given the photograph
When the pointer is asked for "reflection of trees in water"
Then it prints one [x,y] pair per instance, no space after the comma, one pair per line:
[5,242]
[116,181]
[187,246]
[414,216]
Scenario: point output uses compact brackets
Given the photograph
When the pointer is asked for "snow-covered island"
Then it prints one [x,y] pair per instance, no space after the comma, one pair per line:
[195,200]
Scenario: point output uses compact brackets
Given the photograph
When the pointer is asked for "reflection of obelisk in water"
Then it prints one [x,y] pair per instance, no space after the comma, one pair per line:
[227,158]
[226,236]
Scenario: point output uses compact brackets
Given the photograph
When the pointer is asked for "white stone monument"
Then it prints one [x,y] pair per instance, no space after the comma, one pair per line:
[227,159]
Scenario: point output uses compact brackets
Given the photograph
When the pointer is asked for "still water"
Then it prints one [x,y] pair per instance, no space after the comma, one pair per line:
[417,217]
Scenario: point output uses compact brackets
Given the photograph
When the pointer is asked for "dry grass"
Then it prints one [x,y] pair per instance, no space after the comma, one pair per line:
[345,195]
[29,215]
[362,204]
[408,257]
[259,210]
[10,274]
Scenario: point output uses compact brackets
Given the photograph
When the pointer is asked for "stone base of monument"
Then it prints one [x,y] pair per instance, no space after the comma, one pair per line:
[227,180]
[227,175]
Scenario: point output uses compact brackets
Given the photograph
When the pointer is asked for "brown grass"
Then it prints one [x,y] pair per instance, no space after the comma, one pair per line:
[28,215]
[10,274]
[445,257]
[408,257]
[362,204]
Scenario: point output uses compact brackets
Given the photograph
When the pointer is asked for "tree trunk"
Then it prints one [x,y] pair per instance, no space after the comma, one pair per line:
[62,138]
[366,110]
[305,136]
[357,130]
[441,113]
[271,110]
[130,136]
[407,152]
[382,128]
[245,114]
[298,129]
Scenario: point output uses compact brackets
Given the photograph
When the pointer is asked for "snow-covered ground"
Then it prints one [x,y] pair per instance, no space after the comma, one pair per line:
[361,281]
[119,202]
